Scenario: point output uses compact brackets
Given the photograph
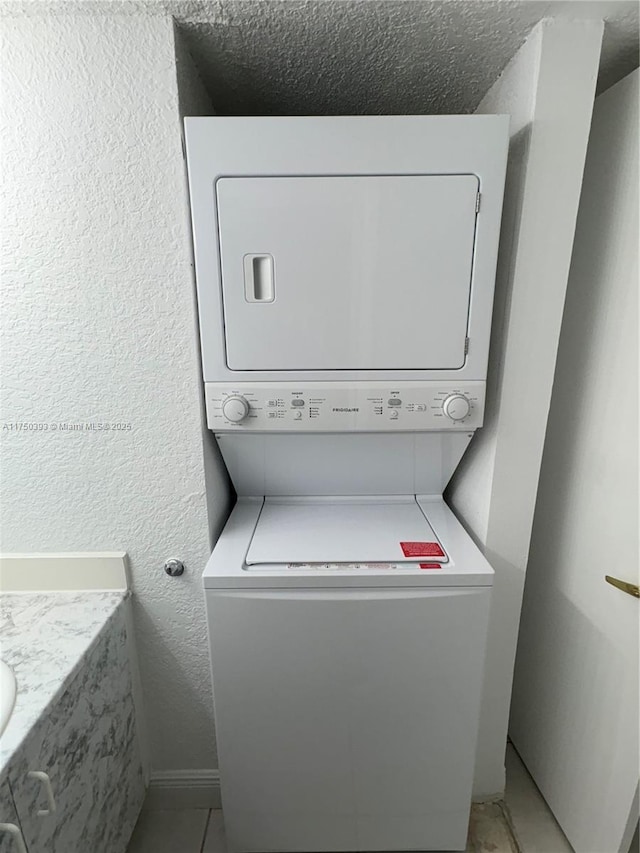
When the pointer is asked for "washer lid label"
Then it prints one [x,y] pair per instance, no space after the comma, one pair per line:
[422,549]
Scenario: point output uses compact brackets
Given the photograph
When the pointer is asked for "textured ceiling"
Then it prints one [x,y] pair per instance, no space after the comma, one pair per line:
[318,57]
[389,56]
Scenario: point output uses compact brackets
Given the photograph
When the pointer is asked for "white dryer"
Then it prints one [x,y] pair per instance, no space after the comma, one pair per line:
[345,271]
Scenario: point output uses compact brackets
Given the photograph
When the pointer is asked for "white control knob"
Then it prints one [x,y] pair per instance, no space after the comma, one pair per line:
[456,407]
[235,408]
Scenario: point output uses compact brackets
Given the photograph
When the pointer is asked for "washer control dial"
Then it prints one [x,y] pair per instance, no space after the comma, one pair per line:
[235,408]
[456,407]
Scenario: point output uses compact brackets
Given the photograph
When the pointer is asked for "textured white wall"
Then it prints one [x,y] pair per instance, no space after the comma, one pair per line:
[548,88]
[99,326]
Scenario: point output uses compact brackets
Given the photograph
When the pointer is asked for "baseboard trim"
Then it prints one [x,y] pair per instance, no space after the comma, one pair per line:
[200,789]
[183,789]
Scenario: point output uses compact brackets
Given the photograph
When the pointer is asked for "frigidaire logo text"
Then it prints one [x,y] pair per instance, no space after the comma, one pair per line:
[347,410]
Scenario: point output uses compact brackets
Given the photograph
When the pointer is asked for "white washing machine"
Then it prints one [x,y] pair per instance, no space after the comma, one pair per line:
[347,639]
[345,272]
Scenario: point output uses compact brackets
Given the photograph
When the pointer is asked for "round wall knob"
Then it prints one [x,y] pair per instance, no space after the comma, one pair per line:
[174,568]
[235,408]
[456,407]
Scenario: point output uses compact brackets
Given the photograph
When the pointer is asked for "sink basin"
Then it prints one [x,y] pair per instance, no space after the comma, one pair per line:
[7,694]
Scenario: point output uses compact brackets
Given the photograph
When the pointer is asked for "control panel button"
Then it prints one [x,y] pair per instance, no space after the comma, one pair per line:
[456,407]
[297,402]
[235,408]
[394,402]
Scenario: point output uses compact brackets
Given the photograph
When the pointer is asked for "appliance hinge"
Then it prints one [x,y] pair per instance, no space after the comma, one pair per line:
[478,196]
[466,346]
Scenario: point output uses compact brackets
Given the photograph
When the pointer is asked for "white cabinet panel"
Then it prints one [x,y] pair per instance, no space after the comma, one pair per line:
[340,273]
[346,720]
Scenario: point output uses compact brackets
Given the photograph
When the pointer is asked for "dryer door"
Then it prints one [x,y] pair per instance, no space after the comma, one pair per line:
[347,273]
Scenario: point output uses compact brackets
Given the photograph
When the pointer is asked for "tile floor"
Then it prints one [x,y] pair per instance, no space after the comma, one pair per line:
[522,824]
[533,824]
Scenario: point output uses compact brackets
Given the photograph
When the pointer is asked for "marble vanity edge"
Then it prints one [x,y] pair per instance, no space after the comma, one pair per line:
[85,571]
[120,597]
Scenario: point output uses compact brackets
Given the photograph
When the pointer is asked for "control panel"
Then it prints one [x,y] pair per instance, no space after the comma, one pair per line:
[344,406]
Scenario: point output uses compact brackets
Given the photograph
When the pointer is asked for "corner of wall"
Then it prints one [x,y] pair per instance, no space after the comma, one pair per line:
[194,100]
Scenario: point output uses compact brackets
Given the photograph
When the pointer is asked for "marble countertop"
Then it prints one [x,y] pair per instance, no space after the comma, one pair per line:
[45,637]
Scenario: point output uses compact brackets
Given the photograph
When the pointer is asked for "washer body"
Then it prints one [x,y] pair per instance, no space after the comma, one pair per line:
[347,684]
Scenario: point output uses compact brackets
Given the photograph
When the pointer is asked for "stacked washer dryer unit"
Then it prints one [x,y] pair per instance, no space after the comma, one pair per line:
[345,271]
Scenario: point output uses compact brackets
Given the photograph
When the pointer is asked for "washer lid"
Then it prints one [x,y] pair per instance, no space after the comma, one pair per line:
[343,530]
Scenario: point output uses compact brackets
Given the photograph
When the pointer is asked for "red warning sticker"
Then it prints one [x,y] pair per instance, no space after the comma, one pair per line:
[421,549]
[430,566]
